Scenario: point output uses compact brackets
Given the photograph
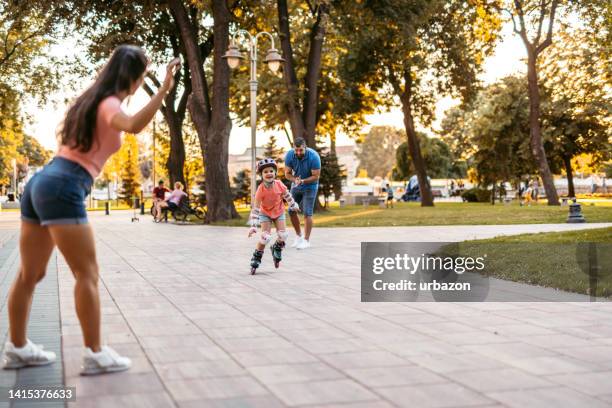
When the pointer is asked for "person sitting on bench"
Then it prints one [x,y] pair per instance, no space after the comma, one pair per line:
[174,200]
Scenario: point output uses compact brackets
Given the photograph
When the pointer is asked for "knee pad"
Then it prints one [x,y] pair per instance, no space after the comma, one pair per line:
[265,238]
[282,235]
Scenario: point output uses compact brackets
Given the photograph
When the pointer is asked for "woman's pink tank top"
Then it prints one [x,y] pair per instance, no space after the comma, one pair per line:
[107,140]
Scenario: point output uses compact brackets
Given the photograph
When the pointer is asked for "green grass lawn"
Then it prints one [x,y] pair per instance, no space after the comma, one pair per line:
[407,214]
[556,259]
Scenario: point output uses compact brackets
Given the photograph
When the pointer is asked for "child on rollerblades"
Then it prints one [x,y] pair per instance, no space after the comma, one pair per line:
[269,208]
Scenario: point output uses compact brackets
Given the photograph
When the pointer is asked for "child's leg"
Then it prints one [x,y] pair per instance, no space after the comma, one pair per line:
[281,230]
[261,244]
[266,235]
[278,246]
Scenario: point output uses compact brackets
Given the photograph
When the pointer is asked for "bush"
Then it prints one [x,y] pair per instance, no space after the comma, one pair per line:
[476,195]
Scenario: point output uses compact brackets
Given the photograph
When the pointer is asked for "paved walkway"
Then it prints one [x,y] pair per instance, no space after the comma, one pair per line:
[202,332]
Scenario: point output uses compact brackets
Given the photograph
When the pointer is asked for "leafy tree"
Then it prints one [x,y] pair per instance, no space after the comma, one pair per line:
[147,24]
[497,129]
[430,48]
[332,175]
[11,133]
[130,186]
[193,163]
[162,152]
[576,108]
[35,153]
[271,150]
[209,107]
[437,156]
[528,18]
[303,117]
[242,186]
[453,130]
[173,28]
[277,153]
[376,150]
[27,29]
[315,105]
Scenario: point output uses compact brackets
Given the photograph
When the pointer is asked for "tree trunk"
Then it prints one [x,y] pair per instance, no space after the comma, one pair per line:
[176,158]
[414,147]
[199,102]
[291,81]
[211,119]
[311,97]
[493,195]
[218,190]
[567,160]
[174,119]
[537,145]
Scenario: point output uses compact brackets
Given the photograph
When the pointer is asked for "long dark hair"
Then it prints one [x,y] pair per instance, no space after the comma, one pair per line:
[125,66]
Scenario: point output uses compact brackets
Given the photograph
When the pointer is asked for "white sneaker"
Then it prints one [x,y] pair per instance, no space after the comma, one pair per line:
[304,244]
[298,240]
[28,355]
[105,361]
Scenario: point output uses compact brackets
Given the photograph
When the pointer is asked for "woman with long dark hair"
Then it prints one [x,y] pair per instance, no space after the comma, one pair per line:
[53,211]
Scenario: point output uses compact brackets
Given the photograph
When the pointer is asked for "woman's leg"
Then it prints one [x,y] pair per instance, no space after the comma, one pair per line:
[35,247]
[155,207]
[76,242]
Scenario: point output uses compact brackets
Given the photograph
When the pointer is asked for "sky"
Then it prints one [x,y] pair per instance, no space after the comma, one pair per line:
[509,58]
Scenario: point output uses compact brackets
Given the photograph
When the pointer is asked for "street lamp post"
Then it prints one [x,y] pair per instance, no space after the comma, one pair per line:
[153,151]
[273,59]
[14,163]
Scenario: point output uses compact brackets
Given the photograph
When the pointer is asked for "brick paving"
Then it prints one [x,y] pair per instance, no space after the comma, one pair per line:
[202,332]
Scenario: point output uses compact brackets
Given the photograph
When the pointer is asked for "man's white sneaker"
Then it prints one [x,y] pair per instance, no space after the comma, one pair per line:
[297,241]
[105,361]
[304,244]
[28,355]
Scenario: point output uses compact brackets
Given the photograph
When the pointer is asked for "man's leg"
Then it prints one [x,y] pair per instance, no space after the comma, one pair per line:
[293,215]
[308,203]
[295,221]
[308,227]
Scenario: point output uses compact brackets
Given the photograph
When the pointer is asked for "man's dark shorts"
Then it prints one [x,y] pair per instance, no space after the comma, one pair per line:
[306,200]
[56,194]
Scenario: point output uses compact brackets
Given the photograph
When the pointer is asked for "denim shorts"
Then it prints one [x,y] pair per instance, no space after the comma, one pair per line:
[265,218]
[56,194]
[306,199]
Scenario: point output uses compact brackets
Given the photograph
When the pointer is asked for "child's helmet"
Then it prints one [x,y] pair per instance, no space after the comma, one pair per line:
[267,162]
